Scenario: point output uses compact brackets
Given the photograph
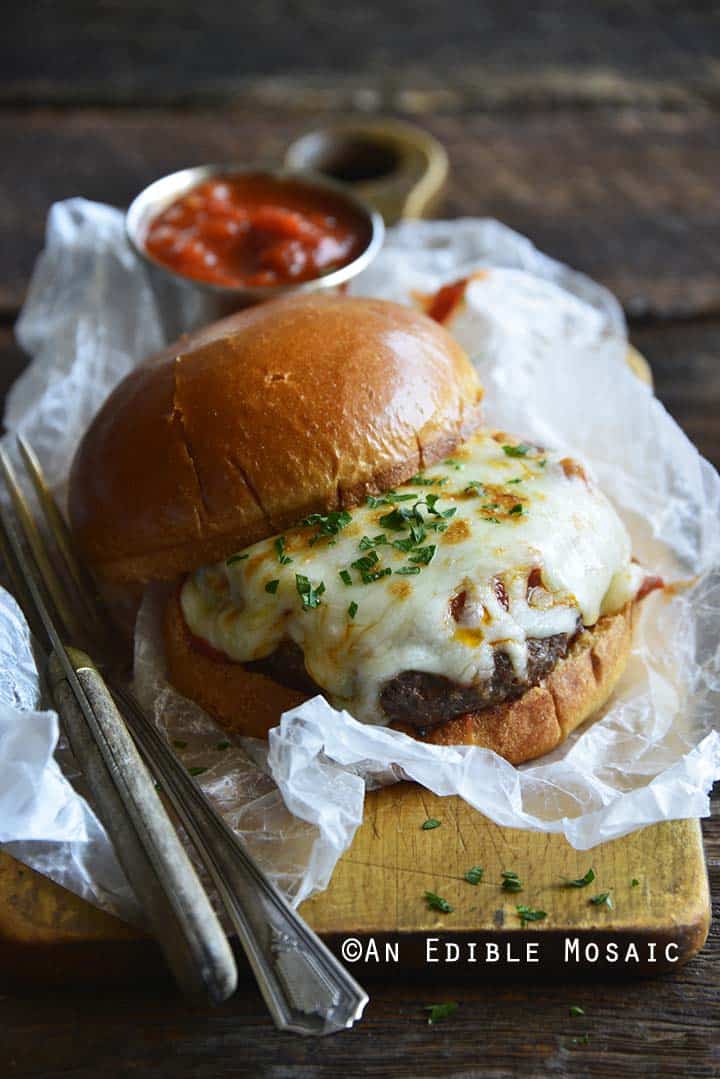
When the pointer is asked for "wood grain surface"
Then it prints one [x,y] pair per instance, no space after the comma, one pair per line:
[655,878]
[593,129]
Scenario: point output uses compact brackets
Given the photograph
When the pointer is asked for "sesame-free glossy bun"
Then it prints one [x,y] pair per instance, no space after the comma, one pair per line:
[296,406]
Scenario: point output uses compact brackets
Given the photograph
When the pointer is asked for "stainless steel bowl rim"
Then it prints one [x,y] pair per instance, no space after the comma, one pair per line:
[158,195]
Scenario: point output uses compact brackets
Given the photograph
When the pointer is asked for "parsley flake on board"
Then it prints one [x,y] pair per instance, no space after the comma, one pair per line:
[438,1012]
[345,577]
[517,451]
[602,899]
[511,881]
[436,902]
[310,596]
[179,744]
[236,558]
[580,882]
[197,771]
[634,883]
[474,875]
[408,571]
[352,609]
[527,914]
[430,823]
[576,1010]
[223,745]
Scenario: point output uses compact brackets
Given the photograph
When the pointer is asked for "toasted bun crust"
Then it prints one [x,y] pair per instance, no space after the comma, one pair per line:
[297,406]
[518,730]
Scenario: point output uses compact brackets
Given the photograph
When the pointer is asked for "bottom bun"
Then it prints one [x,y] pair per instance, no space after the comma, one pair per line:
[248,703]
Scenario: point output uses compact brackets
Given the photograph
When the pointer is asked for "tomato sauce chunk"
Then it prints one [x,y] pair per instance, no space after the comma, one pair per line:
[256,230]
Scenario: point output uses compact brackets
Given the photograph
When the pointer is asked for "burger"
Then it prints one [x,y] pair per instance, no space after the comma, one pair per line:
[311,479]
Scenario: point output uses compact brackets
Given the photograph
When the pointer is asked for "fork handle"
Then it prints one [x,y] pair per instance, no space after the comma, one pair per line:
[147,846]
[305,987]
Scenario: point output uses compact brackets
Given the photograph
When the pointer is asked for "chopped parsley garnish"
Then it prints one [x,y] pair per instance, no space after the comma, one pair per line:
[527,914]
[279,545]
[417,535]
[352,609]
[408,571]
[634,883]
[345,577]
[584,1040]
[475,487]
[602,899]
[400,519]
[580,882]
[179,744]
[388,499]
[327,524]
[223,745]
[197,771]
[516,510]
[272,586]
[310,596]
[454,464]
[474,875]
[236,558]
[511,881]
[436,902]
[438,1012]
[368,578]
[543,462]
[517,451]
[427,481]
[366,563]
[430,823]
[518,479]
[423,555]
[575,1010]
[366,543]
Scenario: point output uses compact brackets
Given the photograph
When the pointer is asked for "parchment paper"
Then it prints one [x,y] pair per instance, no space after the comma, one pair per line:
[550,346]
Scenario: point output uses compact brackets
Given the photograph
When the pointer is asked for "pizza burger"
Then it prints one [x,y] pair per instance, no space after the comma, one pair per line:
[311,478]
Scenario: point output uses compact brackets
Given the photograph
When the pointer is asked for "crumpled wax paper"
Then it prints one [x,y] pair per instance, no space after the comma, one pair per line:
[550,348]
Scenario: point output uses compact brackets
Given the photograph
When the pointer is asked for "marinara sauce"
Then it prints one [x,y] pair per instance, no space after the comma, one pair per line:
[256,230]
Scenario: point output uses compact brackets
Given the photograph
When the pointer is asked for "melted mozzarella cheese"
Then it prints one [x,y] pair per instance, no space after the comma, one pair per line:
[509,543]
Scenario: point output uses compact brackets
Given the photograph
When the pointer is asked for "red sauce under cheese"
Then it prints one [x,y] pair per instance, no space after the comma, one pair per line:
[256,231]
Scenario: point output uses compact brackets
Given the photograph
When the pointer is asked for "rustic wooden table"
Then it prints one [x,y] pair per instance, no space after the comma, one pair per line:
[596,133]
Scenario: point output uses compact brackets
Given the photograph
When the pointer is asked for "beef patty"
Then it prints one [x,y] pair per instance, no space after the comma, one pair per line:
[421,700]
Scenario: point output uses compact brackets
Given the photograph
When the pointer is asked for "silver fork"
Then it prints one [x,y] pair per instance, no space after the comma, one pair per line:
[305,987]
[165,883]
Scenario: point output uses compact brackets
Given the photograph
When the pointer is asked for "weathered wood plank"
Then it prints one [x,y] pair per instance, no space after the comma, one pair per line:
[380,54]
[502,1028]
[631,198]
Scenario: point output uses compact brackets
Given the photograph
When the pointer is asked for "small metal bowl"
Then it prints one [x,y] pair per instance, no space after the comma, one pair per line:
[184,302]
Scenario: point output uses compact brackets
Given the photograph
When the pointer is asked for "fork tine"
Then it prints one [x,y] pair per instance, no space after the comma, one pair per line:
[50,579]
[61,534]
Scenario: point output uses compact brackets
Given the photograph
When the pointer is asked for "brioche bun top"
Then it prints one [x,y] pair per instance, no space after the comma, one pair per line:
[241,429]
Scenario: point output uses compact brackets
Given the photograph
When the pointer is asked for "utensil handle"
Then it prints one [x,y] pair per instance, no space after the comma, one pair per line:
[148,848]
[305,987]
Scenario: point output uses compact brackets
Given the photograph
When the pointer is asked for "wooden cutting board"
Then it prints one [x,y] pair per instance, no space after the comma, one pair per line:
[49,936]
